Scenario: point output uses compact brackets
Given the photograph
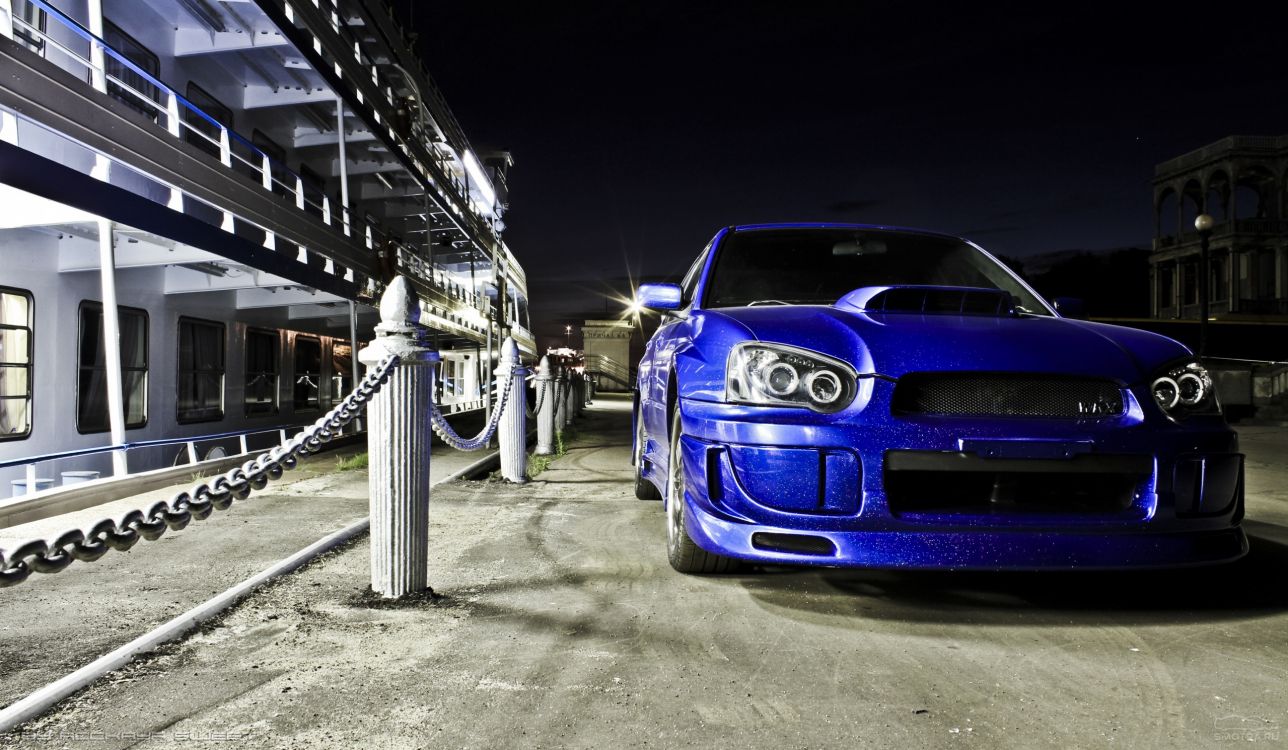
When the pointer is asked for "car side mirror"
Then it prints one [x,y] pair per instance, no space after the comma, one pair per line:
[659,296]
[1071,307]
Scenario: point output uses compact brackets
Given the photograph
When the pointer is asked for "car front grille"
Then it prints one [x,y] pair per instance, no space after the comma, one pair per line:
[1007,395]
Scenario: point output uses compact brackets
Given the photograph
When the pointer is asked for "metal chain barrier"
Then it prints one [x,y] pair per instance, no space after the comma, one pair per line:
[540,399]
[449,436]
[195,504]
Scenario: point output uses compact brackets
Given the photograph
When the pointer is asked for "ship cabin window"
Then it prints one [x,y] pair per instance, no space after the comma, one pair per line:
[308,372]
[17,318]
[124,83]
[283,180]
[199,131]
[341,370]
[91,385]
[201,371]
[314,192]
[29,26]
[262,372]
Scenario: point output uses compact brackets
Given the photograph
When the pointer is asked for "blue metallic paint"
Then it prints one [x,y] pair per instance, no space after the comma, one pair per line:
[756,469]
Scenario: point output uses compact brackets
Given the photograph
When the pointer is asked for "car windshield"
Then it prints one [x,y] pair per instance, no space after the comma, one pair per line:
[819,266]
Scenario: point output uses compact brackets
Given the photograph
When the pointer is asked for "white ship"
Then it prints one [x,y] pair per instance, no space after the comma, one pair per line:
[199,202]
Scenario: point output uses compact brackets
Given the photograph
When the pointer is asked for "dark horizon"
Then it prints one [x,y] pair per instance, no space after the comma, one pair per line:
[638,132]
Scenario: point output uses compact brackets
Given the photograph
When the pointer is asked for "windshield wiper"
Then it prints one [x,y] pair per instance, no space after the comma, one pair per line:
[768,302]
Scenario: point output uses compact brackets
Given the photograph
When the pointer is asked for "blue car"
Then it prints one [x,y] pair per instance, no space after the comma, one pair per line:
[850,395]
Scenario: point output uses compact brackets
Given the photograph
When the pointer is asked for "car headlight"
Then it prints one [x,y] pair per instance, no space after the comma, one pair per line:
[1184,391]
[778,375]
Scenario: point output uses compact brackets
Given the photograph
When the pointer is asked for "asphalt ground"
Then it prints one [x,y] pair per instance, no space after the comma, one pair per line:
[558,623]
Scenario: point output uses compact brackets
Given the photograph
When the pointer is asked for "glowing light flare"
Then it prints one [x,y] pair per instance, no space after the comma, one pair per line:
[478,178]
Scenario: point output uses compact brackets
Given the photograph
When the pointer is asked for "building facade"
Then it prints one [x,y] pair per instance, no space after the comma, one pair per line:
[1242,182]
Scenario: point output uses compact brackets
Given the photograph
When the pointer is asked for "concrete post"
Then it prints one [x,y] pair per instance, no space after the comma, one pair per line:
[398,440]
[561,400]
[513,428]
[546,414]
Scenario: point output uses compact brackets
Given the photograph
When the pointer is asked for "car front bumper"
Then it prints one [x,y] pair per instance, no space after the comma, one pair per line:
[779,486]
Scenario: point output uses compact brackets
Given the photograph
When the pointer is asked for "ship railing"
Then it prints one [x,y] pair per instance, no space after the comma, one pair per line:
[169,106]
[190,443]
[449,160]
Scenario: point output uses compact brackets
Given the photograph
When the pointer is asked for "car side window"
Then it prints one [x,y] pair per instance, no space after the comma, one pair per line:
[690,282]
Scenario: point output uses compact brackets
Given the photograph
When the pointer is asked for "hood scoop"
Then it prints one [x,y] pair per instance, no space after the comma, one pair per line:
[929,300]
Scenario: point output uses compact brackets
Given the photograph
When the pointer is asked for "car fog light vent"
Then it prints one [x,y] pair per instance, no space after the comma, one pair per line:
[796,544]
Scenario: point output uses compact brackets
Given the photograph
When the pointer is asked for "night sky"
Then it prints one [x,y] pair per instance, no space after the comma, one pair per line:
[638,132]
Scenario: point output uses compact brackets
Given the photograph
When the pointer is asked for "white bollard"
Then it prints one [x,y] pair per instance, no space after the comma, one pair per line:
[513,428]
[546,414]
[570,396]
[398,441]
[561,400]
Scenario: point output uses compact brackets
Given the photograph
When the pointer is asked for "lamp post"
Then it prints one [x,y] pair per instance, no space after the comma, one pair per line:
[1203,223]
[568,337]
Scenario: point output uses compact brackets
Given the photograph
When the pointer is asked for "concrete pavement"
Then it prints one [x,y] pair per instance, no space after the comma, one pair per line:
[561,625]
[53,624]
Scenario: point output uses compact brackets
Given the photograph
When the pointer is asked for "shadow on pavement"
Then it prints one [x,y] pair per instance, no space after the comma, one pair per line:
[1249,588]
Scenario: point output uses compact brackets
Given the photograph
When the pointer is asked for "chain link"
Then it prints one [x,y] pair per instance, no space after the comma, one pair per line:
[449,436]
[198,502]
[540,398]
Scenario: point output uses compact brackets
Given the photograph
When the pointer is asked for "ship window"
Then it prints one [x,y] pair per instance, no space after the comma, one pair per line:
[283,181]
[262,373]
[201,371]
[308,372]
[124,84]
[30,25]
[16,342]
[91,386]
[314,190]
[200,132]
[341,370]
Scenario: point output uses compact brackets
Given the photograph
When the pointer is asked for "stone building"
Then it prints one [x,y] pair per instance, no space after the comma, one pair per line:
[1242,182]
[607,346]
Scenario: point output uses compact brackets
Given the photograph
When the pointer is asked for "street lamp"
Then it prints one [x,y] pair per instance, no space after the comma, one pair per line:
[568,337]
[1203,223]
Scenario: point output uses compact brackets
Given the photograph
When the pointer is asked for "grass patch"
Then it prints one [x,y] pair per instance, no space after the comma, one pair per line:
[538,464]
[563,437]
[354,462]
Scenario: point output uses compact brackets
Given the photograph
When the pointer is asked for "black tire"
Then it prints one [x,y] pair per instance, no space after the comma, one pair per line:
[681,552]
[644,489]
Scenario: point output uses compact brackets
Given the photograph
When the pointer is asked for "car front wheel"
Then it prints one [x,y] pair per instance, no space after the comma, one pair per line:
[683,554]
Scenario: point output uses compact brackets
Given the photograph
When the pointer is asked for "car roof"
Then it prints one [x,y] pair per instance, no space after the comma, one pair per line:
[838,225]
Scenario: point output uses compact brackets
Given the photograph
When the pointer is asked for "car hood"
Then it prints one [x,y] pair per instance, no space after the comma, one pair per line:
[898,343]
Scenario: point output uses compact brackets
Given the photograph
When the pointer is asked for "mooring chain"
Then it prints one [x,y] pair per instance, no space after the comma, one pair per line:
[449,436]
[540,399]
[197,503]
